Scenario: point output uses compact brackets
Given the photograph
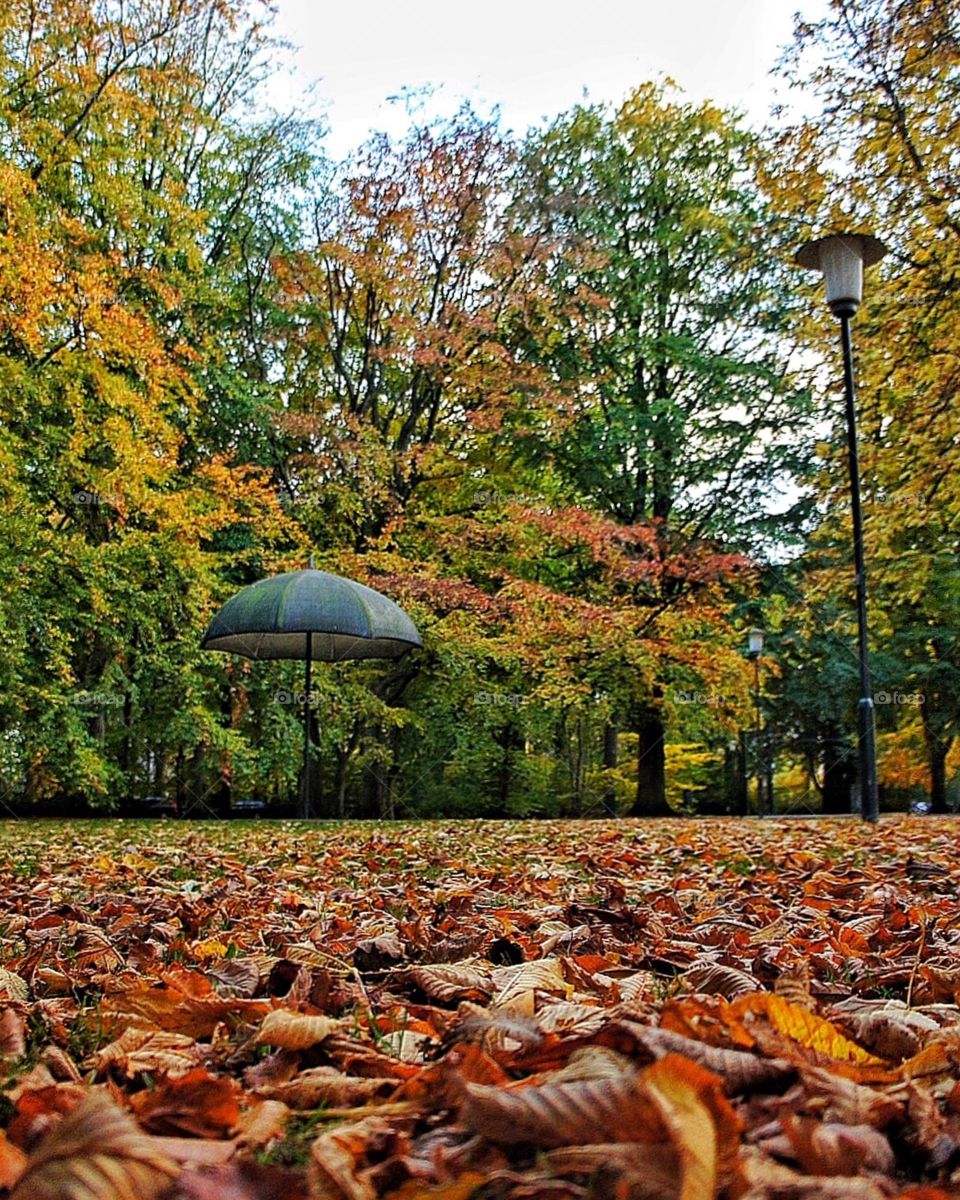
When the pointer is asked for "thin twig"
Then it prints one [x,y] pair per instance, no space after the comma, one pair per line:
[916,962]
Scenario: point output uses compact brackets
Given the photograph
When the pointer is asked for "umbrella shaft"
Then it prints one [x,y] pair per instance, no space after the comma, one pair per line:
[306,731]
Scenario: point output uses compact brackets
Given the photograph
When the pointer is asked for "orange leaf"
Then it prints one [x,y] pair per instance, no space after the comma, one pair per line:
[197,1103]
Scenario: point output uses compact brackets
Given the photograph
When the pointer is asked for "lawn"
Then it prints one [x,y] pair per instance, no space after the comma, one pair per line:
[498,1010]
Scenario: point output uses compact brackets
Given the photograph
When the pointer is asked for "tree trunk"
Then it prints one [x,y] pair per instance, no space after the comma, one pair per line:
[506,740]
[651,799]
[180,790]
[937,750]
[838,774]
[610,747]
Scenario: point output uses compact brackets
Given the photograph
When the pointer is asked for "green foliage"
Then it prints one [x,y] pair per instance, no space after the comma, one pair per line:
[540,391]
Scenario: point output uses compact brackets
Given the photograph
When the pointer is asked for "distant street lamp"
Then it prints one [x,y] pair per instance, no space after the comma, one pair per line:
[754,650]
[842,259]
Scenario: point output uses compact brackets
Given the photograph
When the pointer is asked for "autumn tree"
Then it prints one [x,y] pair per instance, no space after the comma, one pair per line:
[113,125]
[881,153]
[681,410]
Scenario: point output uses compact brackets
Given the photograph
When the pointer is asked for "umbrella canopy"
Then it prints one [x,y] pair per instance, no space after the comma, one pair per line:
[347,620]
[315,616]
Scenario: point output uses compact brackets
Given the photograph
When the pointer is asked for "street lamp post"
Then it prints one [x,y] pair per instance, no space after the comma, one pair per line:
[842,259]
[754,650]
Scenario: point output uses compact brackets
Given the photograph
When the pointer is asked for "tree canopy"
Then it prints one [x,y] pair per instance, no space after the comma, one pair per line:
[561,396]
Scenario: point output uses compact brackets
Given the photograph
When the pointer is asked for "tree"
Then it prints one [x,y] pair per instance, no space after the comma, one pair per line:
[679,410]
[394,353]
[881,153]
[121,510]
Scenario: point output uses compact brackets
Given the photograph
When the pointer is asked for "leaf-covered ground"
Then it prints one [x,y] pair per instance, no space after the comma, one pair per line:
[500,1011]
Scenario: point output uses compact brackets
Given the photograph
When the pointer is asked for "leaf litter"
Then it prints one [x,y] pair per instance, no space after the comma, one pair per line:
[488,1010]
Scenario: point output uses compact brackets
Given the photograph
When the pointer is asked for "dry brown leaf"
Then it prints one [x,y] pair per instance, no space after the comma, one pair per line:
[60,1064]
[705,975]
[327,1086]
[13,1034]
[450,982]
[494,1030]
[793,984]
[236,976]
[594,1062]
[170,1008]
[831,1149]
[564,1016]
[517,986]
[39,1109]
[12,1162]
[767,1179]
[846,1102]
[334,1157]
[635,1170]
[295,1031]
[15,987]
[740,1071]
[406,1045]
[197,1152]
[240,1180]
[152,1050]
[610,1109]
[260,1122]
[96,1153]
[886,1034]
[943,976]
[928,1127]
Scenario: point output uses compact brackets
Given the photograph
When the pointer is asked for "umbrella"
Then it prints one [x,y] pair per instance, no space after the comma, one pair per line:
[315,616]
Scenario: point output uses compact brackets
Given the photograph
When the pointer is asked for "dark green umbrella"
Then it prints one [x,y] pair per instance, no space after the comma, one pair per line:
[314,616]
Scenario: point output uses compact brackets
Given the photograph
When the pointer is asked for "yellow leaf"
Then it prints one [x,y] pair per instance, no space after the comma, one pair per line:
[803,1027]
[210,948]
[137,862]
[689,1126]
[700,1123]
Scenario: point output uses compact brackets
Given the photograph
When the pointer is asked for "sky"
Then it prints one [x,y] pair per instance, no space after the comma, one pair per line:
[534,58]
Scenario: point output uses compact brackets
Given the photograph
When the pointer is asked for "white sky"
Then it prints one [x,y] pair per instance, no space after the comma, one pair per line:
[532,57]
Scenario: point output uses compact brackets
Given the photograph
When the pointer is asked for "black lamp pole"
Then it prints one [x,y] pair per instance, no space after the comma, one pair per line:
[842,259]
[869,799]
[754,650]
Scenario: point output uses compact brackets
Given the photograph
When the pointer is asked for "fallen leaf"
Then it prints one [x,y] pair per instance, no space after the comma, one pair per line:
[197,1104]
[295,1031]
[95,1153]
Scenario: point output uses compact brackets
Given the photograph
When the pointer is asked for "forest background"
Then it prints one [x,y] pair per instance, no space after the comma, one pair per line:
[564,397]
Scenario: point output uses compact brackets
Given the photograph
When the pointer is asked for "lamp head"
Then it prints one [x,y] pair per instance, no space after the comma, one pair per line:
[755,643]
[842,258]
